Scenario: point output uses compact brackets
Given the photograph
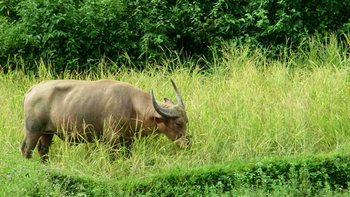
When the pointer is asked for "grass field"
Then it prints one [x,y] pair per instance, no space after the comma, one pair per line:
[246,108]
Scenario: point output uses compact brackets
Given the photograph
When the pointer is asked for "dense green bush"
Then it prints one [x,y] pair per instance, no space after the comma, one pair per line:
[308,176]
[65,32]
[74,34]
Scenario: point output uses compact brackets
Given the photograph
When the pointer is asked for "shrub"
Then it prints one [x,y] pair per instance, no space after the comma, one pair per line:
[309,176]
[305,176]
[74,34]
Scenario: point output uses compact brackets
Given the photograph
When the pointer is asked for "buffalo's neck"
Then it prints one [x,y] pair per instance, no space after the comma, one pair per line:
[144,114]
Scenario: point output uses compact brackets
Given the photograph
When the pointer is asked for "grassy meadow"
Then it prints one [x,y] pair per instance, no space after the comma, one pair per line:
[246,108]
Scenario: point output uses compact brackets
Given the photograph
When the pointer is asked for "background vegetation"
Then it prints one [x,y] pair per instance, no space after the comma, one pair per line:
[77,34]
[269,114]
[259,126]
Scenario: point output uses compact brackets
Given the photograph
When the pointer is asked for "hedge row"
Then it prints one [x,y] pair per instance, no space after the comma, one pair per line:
[306,177]
[74,34]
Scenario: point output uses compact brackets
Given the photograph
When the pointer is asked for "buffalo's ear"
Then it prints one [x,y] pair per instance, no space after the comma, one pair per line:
[158,118]
[168,101]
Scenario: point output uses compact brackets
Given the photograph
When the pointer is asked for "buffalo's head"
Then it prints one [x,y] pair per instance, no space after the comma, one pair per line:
[172,119]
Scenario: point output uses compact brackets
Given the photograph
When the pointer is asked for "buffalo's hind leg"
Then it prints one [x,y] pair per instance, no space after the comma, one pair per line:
[43,146]
[29,143]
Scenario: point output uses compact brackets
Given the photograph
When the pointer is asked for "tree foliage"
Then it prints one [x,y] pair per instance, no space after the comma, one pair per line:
[73,34]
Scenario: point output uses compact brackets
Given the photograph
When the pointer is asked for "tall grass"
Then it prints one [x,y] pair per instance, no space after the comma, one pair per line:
[245,108]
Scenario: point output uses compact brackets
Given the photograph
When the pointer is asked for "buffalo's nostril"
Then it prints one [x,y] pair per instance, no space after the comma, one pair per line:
[188,140]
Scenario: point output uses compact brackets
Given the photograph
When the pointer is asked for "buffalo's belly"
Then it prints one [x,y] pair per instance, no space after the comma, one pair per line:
[73,129]
[82,131]
[78,136]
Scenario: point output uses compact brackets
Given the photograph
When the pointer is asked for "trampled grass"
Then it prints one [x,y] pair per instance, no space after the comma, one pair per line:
[245,108]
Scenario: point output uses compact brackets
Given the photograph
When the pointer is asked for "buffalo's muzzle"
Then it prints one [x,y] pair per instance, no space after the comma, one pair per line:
[188,139]
[184,142]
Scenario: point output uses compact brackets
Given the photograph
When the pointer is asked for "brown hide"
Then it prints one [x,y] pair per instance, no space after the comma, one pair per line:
[81,111]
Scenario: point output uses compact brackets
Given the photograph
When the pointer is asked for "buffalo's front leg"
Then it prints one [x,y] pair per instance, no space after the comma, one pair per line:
[121,147]
[127,143]
[29,143]
[43,146]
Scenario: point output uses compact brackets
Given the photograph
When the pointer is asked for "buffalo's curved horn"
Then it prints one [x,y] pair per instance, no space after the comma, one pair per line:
[178,95]
[165,112]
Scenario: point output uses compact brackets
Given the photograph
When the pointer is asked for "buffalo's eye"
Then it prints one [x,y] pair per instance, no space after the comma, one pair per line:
[179,125]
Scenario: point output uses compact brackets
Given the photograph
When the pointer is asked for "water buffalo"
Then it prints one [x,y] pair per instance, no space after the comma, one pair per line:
[107,110]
